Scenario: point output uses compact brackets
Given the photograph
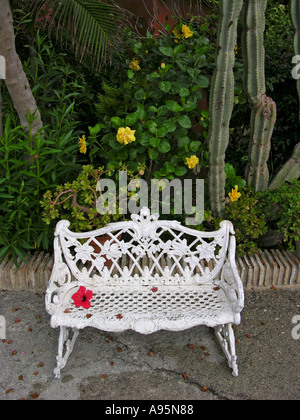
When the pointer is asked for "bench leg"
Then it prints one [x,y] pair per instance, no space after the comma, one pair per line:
[69,344]
[226,338]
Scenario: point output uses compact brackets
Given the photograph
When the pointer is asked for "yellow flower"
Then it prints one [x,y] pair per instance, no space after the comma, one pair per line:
[134,65]
[192,161]
[82,147]
[176,33]
[163,66]
[235,50]
[125,135]
[187,33]
[234,195]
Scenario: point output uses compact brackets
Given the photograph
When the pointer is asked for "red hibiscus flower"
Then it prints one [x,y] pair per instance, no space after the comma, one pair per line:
[82,298]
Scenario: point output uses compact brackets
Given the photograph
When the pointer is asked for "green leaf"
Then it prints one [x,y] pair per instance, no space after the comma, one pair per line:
[3,251]
[188,107]
[179,49]
[154,141]
[184,121]
[164,146]
[137,46]
[168,51]
[202,81]
[117,121]
[180,171]
[95,130]
[170,168]
[153,154]
[130,74]
[2,195]
[195,146]
[162,111]
[183,142]
[139,94]
[170,125]
[145,138]
[94,32]
[162,131]
[141,112]
[152,126]
[152,76]
[131,119]
[174,106]
[152,108]
[132,154]
[114,144]
[194,73]
[165,86]
[184,92]
[198,78]
[205,113]
[230,171]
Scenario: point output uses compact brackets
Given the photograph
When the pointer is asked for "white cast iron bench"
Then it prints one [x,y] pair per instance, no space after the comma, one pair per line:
[149,275]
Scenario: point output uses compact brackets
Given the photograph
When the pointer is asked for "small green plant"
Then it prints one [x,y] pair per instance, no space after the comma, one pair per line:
[281,208]
[248,220]
[232,179]
[254,214]
[76,201]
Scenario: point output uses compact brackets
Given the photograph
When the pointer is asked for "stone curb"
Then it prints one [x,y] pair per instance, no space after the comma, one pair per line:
[268,268]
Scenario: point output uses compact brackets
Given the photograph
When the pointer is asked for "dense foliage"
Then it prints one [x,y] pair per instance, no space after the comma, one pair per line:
[145,113]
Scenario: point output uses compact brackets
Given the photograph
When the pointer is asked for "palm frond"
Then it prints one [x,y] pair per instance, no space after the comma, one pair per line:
[92,27]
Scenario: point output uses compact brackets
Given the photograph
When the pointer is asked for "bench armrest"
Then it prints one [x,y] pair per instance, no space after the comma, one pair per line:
[60,280]
[231,281]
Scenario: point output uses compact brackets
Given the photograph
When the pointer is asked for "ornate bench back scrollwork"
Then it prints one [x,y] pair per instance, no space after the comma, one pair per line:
[144,251]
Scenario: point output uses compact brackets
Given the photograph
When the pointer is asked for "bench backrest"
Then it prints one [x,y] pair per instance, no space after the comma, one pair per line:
[143,251]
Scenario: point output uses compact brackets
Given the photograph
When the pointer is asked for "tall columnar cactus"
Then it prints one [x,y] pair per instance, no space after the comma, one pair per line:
[263,115]
[295,13]
[263,118]
[221,102]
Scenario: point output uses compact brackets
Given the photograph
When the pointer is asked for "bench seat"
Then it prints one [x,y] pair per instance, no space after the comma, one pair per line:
[145,311]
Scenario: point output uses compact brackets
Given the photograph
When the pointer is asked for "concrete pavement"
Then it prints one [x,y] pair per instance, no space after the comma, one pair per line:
[168,366]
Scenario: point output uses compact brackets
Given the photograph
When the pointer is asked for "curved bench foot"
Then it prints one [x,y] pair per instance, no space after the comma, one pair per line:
[69,345]
[225,336]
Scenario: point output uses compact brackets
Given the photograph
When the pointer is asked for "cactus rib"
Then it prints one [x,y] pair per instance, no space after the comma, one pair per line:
[263,118]
[221,102]
[263,114]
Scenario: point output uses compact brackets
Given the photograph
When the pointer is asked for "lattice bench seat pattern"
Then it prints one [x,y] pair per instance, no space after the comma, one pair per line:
[148,275]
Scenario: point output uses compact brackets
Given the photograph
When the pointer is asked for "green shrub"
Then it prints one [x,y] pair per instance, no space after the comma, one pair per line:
[76,201]
[248,220]
[281,208]
[30,165]
[165,79]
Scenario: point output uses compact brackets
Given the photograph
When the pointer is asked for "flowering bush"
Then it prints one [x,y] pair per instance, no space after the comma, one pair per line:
[151,121]
[248,219]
